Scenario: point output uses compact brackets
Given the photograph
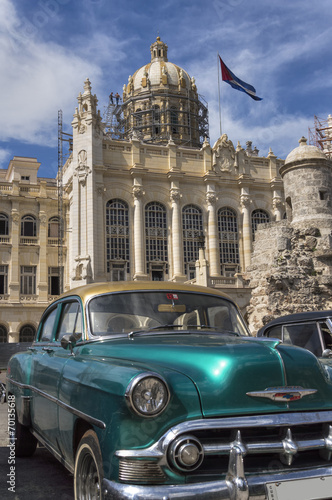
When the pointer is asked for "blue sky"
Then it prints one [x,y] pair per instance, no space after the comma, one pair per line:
[48,48]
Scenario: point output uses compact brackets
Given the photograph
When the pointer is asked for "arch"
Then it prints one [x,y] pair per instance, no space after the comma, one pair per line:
[29,226]
[3,334]
[258,216]
[53,227]
[27,333]
[4,224]
[117,239]
[228,241]
[156,240]
[192,227]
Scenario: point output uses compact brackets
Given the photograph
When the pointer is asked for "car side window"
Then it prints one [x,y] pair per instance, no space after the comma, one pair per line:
[274,332]
[303,335]
[47,326]
[71,320]
[326,334]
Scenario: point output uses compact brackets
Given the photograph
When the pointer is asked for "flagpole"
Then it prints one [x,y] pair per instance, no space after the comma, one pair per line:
[218,67]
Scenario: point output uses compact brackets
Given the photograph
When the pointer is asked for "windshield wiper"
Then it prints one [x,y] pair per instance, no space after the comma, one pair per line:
[186,328]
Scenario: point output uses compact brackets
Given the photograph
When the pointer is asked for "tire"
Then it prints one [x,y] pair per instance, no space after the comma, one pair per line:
[25,442]
[88,474]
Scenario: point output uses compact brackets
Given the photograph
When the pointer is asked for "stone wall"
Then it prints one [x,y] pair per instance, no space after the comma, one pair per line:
[291,271]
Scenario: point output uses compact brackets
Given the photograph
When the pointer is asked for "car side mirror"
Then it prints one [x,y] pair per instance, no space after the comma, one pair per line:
[327,353]
[70,341]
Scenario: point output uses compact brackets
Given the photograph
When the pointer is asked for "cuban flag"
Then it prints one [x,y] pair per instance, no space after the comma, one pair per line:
[236,83]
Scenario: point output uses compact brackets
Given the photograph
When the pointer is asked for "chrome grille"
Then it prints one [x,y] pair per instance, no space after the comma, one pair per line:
[140,471]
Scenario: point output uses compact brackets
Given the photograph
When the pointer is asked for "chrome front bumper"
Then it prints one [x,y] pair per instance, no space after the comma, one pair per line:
[233,488]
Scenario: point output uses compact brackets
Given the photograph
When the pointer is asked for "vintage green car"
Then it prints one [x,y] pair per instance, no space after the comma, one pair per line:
[156,391]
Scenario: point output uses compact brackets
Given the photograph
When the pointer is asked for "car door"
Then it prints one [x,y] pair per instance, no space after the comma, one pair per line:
[49,365]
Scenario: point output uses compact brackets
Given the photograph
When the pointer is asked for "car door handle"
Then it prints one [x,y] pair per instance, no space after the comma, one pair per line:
[48,349]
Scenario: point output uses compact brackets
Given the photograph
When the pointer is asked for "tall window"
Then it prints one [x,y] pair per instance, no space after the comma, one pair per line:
[192,225]
[228,241]
[27,333]
[28,226]
[156,119]
[258,217]
[117,239]
[156,239]
[4,231]
[3,334]
[53,227]
[174,120]
[54,280]
[3,280]
[28,280]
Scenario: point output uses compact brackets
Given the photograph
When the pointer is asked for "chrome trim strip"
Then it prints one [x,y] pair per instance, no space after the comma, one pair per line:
[57,455]
[285,420]
[78,413]
[255,488]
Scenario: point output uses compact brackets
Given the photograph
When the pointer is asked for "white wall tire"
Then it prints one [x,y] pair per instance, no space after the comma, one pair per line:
[88,474]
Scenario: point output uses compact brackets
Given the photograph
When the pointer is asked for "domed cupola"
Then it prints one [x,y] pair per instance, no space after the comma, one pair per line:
[160,102]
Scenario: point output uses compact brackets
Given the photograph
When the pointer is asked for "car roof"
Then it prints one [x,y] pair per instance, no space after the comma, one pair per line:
[93,289]
[295,318]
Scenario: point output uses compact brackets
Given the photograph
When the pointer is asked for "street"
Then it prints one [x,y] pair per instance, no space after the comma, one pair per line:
[40,477]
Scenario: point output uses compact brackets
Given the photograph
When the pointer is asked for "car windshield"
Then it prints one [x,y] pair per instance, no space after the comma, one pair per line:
[132,312]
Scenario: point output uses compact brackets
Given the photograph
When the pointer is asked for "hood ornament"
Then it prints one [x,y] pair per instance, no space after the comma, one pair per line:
[283,393]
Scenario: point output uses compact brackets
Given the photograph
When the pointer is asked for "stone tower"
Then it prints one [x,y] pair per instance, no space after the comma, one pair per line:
[291,268]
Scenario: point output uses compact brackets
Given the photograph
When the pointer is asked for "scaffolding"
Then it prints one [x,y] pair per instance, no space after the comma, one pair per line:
[63,137]
[159,116]
[321,135]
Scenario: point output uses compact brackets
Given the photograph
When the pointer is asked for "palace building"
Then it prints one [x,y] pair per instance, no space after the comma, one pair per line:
[143,195]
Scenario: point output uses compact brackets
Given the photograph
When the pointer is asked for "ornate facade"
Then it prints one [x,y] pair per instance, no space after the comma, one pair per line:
[145,196]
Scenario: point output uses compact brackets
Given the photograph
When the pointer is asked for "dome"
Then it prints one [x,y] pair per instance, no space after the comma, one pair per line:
[154,73]
[159,72]
[305,152]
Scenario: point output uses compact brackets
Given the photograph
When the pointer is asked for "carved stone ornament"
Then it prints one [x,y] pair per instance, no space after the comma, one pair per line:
[138,192]
[82,158]
[277,202]
[175,194]
[82,128]
[15,217]
[42,219]
[223,155]
[211,198]
[245,200]
[82,269]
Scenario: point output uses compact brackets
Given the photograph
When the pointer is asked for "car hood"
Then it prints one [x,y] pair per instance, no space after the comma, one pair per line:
[225,368]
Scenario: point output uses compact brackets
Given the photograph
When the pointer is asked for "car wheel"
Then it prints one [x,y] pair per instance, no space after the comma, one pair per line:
[88,473]
[25,443]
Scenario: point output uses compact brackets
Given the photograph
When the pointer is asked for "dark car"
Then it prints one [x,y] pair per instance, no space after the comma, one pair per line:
[310,330]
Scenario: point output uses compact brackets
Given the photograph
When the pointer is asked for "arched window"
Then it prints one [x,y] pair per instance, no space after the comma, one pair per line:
[117,239]
[258,217]
[3,334]
[156,240]
[29,226]
[53,227]
[27,333]
[192,226]
[228,241]
[4,227]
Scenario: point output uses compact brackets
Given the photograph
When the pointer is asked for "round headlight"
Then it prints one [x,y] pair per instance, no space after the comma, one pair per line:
[147,394]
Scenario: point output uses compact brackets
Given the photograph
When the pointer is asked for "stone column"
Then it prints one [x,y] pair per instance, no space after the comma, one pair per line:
[14,268]
[176,235]
[139,243]
[277,206]
[213,240]
[42,284]
[246,227]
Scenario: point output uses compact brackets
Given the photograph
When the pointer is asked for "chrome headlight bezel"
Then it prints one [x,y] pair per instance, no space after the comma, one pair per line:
[133,387]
